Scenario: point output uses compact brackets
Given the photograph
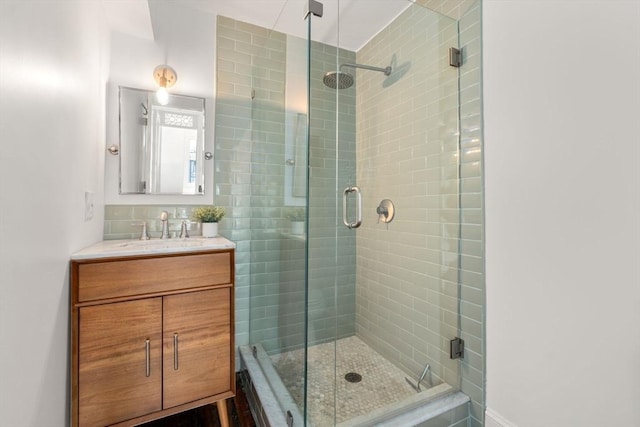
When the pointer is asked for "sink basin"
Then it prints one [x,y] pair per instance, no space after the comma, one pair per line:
[116,248]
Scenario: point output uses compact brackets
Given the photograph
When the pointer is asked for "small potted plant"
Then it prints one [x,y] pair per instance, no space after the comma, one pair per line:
[209,216]
[297,216]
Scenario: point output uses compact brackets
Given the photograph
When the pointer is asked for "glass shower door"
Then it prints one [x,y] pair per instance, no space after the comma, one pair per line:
[382,297]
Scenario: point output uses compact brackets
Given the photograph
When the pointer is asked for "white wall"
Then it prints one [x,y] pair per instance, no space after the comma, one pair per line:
[52,96]
[562,107]
[185,39]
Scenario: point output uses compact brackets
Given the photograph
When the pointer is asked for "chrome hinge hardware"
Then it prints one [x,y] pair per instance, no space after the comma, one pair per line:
[455,57]
[315,8]
[456,348]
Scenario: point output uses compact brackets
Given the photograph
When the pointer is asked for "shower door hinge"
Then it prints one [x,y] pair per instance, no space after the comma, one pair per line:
[455,57]
[456,347]
[315,8]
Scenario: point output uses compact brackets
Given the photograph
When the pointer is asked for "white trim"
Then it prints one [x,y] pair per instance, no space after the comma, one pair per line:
[493,419]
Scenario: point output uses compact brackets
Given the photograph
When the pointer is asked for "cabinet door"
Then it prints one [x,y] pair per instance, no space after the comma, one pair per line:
[119,370]
[197,353]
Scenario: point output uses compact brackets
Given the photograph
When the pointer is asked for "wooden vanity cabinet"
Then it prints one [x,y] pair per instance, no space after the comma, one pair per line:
[112,361]
[196,342]
[142,356]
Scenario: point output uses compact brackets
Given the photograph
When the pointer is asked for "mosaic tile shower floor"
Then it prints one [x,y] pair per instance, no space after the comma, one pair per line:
[382,383]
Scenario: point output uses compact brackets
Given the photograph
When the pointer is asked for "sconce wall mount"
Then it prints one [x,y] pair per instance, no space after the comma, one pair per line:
[165,76]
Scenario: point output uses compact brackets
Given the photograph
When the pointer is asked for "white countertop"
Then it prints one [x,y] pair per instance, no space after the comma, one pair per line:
[119,248]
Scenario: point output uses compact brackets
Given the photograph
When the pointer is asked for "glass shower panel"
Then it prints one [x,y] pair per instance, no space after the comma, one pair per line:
[382,298]
[262,116]
[407,148]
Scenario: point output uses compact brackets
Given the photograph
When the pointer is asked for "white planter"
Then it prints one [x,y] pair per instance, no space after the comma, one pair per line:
[297,227]
[209,229]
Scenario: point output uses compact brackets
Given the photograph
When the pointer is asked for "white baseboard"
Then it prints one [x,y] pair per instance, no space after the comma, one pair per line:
[493,419]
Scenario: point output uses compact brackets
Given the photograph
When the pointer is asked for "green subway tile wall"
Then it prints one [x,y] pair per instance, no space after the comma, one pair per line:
[407,144]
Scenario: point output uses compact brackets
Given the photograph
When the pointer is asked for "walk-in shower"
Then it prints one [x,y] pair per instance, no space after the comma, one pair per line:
[342,80]
[343,325]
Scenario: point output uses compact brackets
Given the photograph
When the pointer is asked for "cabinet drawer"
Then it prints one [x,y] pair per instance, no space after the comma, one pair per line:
[121,278]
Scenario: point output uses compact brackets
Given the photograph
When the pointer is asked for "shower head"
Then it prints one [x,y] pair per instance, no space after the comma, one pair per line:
[338,80]
[342,80]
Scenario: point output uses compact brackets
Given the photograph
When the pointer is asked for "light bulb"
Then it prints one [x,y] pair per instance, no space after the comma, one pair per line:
[162,96]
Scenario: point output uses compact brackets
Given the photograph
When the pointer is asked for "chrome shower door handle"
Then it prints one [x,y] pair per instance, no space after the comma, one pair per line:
[358,221]
[358,209]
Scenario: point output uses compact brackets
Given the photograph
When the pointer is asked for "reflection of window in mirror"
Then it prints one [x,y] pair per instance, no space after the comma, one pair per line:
[161,146]
[295,172]
[175,136]
[295,153]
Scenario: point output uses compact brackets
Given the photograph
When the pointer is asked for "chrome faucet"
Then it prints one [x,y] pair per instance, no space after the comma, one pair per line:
[184,233]
[164,217]
[144,235]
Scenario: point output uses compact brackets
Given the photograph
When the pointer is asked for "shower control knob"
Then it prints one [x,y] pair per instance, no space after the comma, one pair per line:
[385,211]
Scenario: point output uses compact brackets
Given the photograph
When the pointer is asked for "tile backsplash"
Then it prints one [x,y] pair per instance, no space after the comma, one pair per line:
[125,221]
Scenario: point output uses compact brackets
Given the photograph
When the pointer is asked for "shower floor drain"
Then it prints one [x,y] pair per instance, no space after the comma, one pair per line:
[353,377]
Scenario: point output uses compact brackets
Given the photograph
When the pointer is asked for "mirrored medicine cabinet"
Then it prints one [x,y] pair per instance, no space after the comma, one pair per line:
[161,146]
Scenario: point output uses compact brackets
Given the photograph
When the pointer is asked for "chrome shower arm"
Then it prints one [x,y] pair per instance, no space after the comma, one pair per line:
[386,70]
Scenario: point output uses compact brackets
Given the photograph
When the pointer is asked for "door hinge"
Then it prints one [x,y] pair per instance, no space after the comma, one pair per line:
[314,7]
[455,57]
[456,348]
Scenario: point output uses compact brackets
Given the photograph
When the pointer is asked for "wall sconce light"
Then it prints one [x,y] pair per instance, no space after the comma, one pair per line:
[166,77]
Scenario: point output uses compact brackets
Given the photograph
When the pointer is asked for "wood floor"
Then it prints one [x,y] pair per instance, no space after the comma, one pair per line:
[207,416]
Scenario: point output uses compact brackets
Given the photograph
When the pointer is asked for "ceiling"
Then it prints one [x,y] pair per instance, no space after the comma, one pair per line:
[349,24]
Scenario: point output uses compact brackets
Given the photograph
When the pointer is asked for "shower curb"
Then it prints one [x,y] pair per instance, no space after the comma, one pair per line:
[264,404]
[427,412]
